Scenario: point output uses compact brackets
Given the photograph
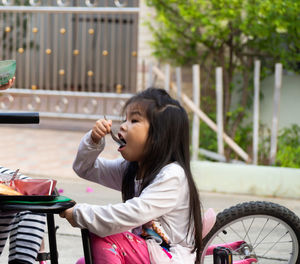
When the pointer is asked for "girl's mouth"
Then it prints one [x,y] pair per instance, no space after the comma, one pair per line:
[118,139]
[122,141]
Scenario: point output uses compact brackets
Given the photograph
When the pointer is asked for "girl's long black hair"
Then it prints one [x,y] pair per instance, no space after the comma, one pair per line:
[168,141]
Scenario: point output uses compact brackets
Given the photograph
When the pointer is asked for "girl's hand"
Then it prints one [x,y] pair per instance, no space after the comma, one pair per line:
[7,85]
[68,214]
[100,129]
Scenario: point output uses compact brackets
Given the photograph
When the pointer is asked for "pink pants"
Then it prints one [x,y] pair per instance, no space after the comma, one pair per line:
[123,248]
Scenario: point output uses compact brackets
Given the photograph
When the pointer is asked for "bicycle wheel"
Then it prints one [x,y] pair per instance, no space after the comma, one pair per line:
[271,233]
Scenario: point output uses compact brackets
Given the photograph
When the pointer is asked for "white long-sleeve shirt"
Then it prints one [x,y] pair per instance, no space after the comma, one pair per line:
[166,200]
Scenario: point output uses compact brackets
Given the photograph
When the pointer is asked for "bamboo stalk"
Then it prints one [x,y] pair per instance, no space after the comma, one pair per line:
[196,123]
[256,111]
[275,119]
[167,77]
[219,96]
[178,83]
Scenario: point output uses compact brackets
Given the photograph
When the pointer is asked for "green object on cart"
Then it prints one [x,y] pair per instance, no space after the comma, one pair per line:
[57,199]
[7,70]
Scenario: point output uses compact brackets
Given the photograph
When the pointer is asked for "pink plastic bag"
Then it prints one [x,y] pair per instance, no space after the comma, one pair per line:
[156,253]
[35,186]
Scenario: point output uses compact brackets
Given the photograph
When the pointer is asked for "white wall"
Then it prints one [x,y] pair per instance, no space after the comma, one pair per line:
[246,179]
[289,101]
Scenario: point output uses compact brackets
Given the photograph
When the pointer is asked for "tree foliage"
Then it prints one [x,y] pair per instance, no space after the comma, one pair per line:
[230,34]
[190,31]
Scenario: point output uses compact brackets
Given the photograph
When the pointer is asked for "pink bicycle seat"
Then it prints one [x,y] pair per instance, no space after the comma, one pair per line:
[209,220]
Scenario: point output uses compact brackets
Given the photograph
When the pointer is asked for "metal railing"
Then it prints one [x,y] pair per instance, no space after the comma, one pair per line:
[65,104]
[73,46]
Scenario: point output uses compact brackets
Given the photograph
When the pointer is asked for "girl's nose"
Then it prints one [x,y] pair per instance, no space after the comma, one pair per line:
[123,126]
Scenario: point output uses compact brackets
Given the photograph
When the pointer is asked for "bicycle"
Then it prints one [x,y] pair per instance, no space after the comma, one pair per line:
[276,241]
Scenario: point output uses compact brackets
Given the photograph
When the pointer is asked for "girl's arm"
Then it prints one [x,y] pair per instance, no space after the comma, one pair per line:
[87,165]
[158,199]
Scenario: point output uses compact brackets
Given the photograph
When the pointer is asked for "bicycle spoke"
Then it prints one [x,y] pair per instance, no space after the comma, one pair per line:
[265,236]
[237,234]
[260,232]
[281,242]
[275,243]
[246,235]
[271,258]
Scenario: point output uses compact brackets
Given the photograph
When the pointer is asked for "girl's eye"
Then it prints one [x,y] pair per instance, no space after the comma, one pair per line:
[134,121]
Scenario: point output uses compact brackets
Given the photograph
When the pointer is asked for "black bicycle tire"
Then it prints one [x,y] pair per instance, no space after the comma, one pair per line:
[256,208]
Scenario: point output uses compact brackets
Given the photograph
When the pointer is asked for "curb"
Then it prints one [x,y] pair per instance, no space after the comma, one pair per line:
[247,179]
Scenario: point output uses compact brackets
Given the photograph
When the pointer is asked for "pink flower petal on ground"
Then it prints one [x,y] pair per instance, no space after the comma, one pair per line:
[89,189]
[60,190]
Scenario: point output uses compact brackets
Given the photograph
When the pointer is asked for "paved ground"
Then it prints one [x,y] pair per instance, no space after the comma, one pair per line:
[47,150]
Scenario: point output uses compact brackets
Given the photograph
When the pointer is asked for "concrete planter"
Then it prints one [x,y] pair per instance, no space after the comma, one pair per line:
[246,179]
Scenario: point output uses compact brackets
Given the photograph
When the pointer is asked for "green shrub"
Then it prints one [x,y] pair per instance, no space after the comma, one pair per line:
[288,148]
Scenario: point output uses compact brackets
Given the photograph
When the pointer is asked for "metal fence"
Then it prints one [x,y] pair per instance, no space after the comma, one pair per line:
[70,46]
[193,104]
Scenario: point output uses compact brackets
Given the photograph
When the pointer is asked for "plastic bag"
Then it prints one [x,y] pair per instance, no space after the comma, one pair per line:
[35,186]
[156,253]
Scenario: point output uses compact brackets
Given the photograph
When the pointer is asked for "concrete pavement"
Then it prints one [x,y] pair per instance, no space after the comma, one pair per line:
[47,151]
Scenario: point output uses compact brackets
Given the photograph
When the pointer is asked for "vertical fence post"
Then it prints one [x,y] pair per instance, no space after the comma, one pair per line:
[178,83]
[195,127]
[256,111]
[167,77]
[274,129]
[143,86]
[150,75]
[219,95]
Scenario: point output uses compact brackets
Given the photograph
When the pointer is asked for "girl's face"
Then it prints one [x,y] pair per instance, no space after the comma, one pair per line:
[134,132]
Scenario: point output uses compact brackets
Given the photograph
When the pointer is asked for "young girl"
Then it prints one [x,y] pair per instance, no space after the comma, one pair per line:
[154,176]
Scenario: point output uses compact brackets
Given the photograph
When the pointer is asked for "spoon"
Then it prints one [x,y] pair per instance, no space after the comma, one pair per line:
[114,137]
